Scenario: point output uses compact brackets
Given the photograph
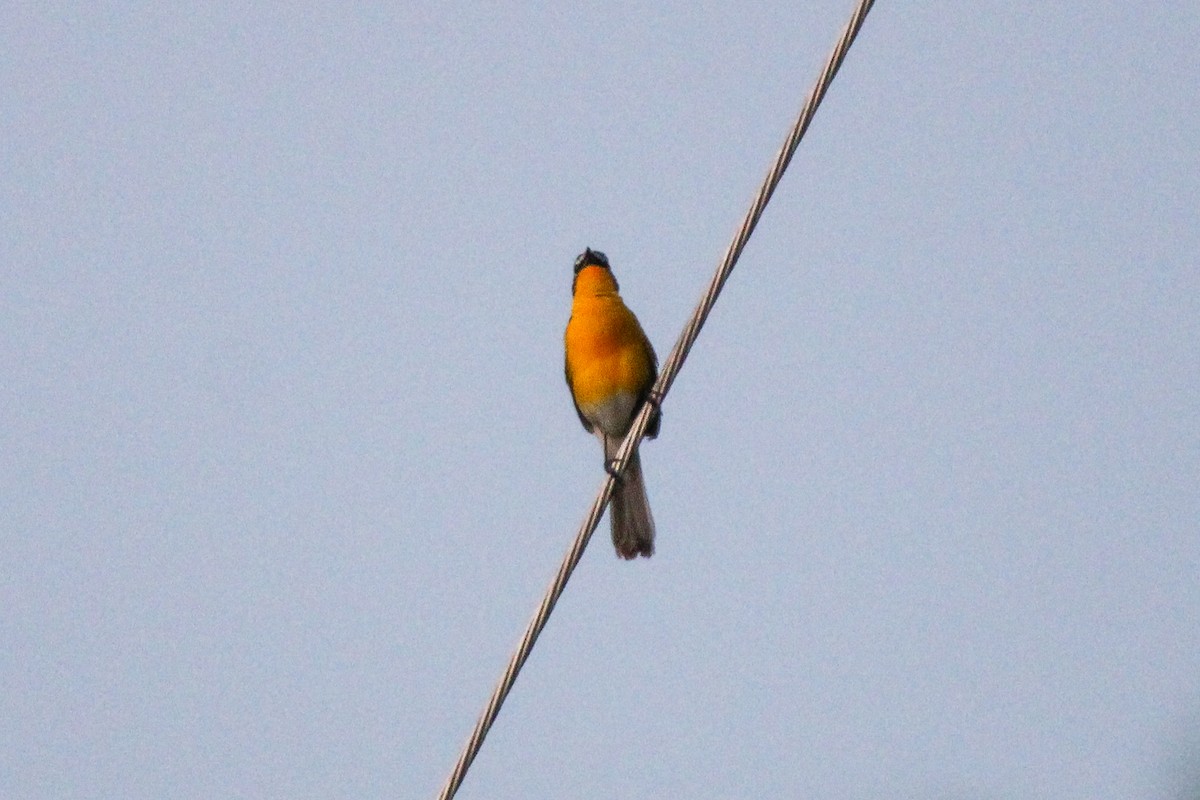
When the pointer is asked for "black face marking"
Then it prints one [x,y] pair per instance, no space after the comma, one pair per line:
[590,257]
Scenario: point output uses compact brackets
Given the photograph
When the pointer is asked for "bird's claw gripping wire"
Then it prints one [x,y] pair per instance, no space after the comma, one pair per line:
[655,400]
[611,468]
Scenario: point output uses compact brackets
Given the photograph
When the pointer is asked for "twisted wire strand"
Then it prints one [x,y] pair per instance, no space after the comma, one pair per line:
[666,377]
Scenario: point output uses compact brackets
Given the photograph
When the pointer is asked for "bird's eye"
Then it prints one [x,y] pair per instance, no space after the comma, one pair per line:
[580,262]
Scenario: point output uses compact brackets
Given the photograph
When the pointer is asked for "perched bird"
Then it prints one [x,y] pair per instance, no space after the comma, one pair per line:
[610,368]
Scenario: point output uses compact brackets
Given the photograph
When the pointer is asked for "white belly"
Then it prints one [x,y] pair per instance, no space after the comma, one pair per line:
[613,416]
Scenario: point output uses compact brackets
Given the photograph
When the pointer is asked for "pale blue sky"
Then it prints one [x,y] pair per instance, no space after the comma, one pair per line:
[286,458]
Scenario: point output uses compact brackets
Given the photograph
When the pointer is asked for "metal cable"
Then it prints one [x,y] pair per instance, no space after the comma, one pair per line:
[666,377]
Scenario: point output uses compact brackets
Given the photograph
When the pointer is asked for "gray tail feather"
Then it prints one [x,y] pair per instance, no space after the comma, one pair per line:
[629,511]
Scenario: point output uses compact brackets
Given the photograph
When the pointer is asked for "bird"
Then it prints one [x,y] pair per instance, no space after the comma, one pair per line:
[610,368]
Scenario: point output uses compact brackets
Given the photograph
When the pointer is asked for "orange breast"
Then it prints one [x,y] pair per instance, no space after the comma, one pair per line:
[607,352]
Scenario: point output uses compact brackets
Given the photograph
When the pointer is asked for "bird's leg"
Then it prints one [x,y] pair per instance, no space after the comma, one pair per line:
[610,465]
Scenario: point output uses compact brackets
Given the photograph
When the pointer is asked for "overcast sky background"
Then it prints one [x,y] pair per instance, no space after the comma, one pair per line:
[287,460]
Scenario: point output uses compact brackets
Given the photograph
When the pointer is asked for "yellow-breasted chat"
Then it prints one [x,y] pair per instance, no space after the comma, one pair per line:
[610,369]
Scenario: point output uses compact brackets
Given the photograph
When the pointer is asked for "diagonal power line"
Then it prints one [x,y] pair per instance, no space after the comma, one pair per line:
[665,378]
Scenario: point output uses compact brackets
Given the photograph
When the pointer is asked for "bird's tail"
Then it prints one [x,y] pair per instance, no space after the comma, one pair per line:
[632,524]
